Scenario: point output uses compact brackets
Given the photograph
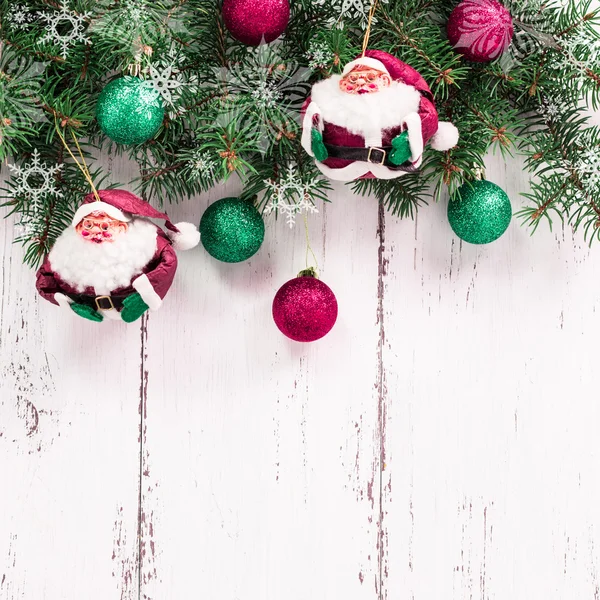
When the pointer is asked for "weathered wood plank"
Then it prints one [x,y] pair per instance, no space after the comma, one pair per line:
[457,388]
[261,455]
[69,450]
[490,488]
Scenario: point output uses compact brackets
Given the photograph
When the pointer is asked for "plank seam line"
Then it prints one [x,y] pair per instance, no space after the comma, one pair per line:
[380,386]
[143,331]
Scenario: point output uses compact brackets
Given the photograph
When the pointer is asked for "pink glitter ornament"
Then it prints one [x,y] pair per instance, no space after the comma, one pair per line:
[305,309]
[481,30]
[249,21]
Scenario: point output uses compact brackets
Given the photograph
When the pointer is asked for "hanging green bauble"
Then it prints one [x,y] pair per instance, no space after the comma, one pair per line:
[130,111]
[232,230]
[479,212]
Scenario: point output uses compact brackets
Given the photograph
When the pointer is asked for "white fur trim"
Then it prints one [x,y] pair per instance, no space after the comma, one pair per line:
[111,315]
[365,61]
[415,136]
[446,137]
[87,209]
[144,288]
[62,300]
[187,238]
[104,267]
[366,115]
[357,169]
[311,112]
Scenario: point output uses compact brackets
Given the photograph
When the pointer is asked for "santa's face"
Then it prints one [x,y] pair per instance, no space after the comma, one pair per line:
[99,228]
[103,266]
[364,80]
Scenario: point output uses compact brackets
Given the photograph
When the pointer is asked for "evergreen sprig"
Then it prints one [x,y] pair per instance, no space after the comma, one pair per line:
[237,110]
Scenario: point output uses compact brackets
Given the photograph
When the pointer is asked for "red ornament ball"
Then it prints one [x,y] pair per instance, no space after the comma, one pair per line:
[249,21]
[305,309]
[481,30]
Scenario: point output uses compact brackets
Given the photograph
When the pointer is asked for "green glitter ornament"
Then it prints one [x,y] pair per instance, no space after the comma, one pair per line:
[479,212]
[232,230]
[129,111]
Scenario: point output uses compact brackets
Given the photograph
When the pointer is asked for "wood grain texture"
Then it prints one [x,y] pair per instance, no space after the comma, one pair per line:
[441,442]
[69,450]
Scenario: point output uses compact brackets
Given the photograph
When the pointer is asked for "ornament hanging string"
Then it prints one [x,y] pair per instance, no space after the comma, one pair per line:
[369,23]
[82,166]
[309,247]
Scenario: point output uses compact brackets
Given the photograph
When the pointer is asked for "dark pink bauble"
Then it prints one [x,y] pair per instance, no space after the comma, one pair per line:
[481,30]
[305,309]
[249,21]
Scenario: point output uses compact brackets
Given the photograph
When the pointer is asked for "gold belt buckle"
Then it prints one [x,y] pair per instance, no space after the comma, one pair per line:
[383,152]
[98,298]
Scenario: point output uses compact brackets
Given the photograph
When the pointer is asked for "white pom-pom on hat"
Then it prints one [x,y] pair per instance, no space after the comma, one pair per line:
[446,137]
[186,237]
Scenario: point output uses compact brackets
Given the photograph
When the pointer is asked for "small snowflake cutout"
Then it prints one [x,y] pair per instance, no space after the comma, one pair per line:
[164,81]
[35,170]
[353,10]
[20,17]
[201,164]
[266,95]
[290,196]
[589,166]
[75,27]
[319,55]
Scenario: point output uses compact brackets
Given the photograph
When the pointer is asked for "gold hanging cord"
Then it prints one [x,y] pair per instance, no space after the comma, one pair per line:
[81,165]
[369,23]
[308,246]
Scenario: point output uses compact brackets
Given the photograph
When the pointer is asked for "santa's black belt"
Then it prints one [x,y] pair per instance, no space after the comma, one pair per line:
[375,156]
[99,302]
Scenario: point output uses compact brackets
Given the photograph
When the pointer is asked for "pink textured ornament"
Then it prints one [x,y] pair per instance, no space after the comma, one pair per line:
[305,309]
[249,21]
[481,30]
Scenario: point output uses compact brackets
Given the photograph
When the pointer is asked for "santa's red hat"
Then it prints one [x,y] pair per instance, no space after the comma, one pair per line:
[124,206]
[445,135]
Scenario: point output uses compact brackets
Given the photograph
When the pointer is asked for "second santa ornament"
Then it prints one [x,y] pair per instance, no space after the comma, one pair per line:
[373,121]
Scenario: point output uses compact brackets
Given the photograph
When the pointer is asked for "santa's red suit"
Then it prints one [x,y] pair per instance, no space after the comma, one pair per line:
[142,260]
[372,121]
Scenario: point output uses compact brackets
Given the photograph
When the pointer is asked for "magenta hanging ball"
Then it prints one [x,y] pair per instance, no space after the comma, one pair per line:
[305,309]
[249,21]
[481,30]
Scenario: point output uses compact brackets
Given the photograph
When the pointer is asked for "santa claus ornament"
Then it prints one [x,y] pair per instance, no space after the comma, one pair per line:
[112,263]
[373,121]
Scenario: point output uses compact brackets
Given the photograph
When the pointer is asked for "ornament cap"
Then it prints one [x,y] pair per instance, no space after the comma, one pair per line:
[311,272]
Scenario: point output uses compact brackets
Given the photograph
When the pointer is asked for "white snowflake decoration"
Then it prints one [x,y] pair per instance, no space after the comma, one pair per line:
[202,164]
[552,108]
[349,10]
[164,81]
[267,94]
[319,55]
[264,91]
[589,166]
[24,175]
[290,196]
[136,25]
[167,78]
[20,17]
[578,50]
[76,27]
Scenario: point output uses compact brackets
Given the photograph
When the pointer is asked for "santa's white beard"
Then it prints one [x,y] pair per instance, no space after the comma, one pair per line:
[107,266]
[362,114]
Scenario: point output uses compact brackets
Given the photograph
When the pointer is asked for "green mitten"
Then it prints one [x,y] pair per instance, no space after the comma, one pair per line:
[318,146]
[401,149]
[133,308]
[87,312]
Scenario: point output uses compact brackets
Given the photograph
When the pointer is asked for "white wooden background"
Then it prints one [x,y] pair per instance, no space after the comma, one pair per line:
[441,443]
